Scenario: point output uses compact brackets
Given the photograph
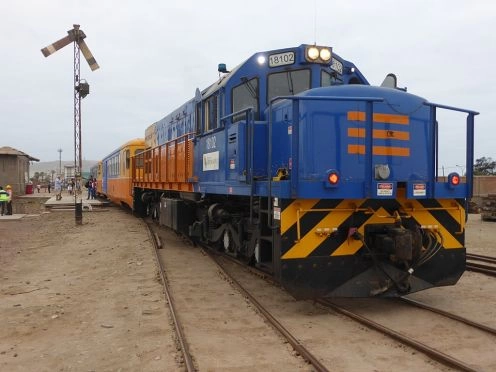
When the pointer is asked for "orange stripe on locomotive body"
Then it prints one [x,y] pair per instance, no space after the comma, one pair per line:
[379,118]
[380,150]
[380,134]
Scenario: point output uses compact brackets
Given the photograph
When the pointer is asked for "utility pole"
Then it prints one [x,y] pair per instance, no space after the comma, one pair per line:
[60,161]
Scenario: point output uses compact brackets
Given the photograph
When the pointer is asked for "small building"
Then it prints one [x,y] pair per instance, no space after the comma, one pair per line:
[69,171]
[14,169]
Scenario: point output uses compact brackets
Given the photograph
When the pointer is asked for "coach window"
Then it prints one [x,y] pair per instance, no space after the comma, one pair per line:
[210,113]
[287,83]
[245,95]
[128,160]
[139,159]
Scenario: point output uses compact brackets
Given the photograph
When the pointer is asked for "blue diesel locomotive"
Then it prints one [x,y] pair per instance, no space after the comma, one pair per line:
[294,163]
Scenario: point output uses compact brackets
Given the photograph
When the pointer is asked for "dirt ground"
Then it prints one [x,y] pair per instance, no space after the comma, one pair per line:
[80,298]
[87,298]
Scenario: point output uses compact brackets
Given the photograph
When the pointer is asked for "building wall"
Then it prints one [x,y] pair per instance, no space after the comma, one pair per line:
[14,172]
[484,185]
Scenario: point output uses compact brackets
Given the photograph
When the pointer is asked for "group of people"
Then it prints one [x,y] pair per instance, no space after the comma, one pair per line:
[6,200]
[91,186]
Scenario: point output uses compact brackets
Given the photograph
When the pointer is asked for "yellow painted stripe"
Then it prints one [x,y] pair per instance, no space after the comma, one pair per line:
[380,150]
[351,246]
[288,215]
[424,217]
[380,134]
[311,241]
[379,118]
[457,214]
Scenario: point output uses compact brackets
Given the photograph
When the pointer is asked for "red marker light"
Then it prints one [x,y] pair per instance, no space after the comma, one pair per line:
[333,178]
[454,179]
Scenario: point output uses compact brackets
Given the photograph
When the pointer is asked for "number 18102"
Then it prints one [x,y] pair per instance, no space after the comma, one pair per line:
[281,59]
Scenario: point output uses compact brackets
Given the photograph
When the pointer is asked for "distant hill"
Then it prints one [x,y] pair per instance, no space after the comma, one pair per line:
[47,166]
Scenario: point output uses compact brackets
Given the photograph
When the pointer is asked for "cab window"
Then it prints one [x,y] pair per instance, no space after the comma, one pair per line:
[243,96]
[328,79]
[287,83]
[210,112]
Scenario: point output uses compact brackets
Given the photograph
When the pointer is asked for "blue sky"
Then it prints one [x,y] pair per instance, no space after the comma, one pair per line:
[154,54]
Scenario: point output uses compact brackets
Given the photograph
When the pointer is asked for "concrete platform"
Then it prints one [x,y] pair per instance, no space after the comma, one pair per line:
[68,201]
[12,217]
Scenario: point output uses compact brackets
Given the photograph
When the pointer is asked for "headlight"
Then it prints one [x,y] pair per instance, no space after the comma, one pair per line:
[261,59]
[313,53]
[318,54]
[325,54]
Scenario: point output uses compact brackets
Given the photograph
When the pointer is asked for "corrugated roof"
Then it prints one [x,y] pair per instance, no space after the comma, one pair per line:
[6,150]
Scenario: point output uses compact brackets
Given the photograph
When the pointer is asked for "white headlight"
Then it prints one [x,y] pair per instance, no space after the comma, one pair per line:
[325,54]
[313,53]
[261,60]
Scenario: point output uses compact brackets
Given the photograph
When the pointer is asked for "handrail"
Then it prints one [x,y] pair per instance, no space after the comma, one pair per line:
[469,156]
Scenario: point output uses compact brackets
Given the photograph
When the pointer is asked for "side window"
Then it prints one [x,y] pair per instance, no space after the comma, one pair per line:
[328,79]
[138,159]
[287,83]
[245,95]
[210,113]
[198,118]
[128,160]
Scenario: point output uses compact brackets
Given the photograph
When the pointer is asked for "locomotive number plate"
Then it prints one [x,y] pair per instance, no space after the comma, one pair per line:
[337,66]
[281,59]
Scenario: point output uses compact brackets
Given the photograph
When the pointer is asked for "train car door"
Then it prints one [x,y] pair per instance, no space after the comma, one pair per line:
[104,177]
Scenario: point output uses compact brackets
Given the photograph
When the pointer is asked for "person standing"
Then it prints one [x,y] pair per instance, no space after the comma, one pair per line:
[58,188]
[89,185]
[93,189]
[49,186]
[8,188]
[4,197]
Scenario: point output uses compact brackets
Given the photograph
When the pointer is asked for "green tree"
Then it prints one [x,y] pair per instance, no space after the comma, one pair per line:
[484,167]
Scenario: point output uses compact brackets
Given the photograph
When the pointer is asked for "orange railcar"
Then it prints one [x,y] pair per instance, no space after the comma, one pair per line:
[116,173]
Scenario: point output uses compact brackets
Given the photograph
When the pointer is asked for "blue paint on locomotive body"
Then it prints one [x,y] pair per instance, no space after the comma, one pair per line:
[321,128]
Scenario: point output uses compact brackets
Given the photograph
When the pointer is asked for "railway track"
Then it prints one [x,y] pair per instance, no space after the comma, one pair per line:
[431,352]
[481,264]
[178,328]
[284,332]
[300,349]
[446,314]
[191,359]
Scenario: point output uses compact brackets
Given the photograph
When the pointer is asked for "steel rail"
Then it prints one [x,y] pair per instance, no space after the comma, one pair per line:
[297,346]
[461,319]
[479,257]
[188,361]
[483,269]
[427,350]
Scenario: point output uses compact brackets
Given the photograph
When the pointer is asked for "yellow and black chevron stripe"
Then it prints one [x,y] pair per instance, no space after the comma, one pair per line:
[323,227]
